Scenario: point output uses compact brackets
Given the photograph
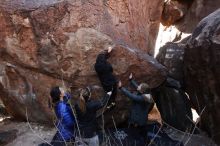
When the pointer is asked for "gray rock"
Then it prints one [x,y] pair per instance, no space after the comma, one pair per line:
[202,72]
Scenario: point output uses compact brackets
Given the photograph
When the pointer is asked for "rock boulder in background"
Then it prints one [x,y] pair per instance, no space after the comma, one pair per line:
[172,12]
[49,43]
[202,72]
[197,10]
[171,56]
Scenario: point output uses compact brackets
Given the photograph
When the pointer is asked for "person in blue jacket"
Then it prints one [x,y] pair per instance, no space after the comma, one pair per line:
[140,106]
[65,118]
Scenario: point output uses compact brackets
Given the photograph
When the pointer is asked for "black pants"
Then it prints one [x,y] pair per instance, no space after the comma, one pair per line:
[57,141]
[112,88]
[140,131]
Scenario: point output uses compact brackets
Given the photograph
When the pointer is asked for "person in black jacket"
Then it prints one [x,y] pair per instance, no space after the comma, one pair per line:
[104,71]
[86,115]
[139,109]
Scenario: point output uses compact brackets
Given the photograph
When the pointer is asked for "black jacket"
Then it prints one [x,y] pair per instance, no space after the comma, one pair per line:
[87,121]
[104,70]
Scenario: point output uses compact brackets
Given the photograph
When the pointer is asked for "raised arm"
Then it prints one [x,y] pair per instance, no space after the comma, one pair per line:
[134,83]
[67,96]
[131,95]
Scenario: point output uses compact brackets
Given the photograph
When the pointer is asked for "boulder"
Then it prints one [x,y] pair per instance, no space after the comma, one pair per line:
[174,105]
[196,11]
[201,66]
[186,14]
[172,12]
[27,90]
[171,56]
[56,43]
[25,93]
[172,102]
[132,23]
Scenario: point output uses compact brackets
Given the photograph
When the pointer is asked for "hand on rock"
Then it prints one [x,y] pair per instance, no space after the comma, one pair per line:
[109,49]
[130,76]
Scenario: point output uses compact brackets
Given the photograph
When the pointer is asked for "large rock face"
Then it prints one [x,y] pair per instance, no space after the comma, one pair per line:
[132,23]
[173,105]
[171,100]
[47,43]
[202,72]
[197,10]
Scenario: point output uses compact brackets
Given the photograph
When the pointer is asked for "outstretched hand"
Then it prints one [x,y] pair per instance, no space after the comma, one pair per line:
[130,76]
[109,93]
[119,84]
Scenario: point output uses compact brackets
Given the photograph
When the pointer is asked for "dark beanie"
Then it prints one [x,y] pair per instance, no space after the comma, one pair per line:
[55,94]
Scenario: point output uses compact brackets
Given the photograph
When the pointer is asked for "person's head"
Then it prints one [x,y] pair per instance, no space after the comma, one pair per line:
[101,58]
[57,94]
[143,87]
[85,95]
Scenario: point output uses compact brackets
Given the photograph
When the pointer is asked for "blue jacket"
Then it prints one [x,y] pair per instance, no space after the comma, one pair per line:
[66,120]
[139,107]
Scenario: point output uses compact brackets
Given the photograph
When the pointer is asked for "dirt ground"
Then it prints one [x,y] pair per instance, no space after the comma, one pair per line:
[35,134]
[14,133]
[26,135]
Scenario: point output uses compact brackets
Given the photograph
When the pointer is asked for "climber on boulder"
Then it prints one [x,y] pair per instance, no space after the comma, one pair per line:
[65,117]
[139,109]
[104,71]
[86,109]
